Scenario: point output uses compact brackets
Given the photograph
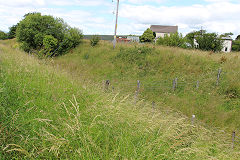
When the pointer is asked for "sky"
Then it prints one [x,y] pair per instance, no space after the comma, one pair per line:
[135,16]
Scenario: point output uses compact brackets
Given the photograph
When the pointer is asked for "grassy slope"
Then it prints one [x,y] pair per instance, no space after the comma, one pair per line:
[215,105]
[47,113]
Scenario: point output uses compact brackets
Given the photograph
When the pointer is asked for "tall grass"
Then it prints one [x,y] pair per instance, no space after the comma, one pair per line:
[156,67]
[49,113]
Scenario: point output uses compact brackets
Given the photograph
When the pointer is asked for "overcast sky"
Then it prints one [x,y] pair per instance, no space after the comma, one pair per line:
[135,16]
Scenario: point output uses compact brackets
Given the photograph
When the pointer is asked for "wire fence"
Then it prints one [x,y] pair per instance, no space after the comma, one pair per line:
[172,85]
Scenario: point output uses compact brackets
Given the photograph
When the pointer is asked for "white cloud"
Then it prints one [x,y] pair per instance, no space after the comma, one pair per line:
[215,17]
[134,16]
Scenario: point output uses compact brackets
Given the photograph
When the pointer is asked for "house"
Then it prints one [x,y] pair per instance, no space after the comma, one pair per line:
[161,30]
[227,44]
[133,38]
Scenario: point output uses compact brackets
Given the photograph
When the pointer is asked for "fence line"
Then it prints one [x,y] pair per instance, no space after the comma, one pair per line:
[172,85]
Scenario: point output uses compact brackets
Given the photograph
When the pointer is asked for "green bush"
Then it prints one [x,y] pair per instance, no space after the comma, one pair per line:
[147,36]
[3,35]
[174,39]
[34,28]
[12,32]
[236,46]
[94,40]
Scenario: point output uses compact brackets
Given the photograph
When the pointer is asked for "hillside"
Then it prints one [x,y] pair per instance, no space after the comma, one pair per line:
[57,109]
[156,67]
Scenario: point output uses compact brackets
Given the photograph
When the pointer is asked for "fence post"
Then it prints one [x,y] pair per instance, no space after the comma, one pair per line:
[137,91]
[197,86]
[233,138]
[193,119]
[153,105]
[218,76]
[175,84]
[107,83]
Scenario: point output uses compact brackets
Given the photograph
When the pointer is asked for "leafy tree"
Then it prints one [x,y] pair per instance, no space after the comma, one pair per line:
[191,36]
[174,39]
[238,37]
[227,34]
[34,28]
[3,35]
[147,36]
[236,45]
[209,42]
[12,31]
[94,40]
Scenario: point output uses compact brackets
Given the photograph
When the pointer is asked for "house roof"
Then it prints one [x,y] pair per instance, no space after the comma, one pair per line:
[164,29]
[226,38]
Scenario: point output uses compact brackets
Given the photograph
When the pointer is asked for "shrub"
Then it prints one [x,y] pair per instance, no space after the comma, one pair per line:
[3,35]
[34,28]
[94,40]
[147,36]
[174,39]
[12,32]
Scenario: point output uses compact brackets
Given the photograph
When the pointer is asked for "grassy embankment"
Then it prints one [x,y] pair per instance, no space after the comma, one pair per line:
[49,113]
[156,67]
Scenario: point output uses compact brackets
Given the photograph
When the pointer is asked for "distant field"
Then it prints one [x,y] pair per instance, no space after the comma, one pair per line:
[57,108]
[103,37]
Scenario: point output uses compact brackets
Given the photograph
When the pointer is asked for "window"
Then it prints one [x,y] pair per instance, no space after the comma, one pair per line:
[226,49]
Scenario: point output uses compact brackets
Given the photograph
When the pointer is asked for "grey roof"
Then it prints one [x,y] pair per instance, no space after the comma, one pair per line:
[164,29]
[226,38]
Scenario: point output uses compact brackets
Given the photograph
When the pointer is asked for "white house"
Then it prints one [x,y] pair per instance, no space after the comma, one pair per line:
[161,30]
[227,44]
[133,38]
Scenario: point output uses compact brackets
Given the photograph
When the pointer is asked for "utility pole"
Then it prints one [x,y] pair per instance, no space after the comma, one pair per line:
[115,33]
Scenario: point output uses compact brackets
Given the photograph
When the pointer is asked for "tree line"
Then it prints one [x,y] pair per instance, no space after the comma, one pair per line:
[198,39]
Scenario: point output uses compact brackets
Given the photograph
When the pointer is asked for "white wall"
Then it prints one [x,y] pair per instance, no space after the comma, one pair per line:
[161,35]
[227,46]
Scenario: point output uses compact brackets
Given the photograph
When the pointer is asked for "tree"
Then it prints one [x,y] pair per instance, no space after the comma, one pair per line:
[3,35]
[147,36]
[226,34]
[209,42]
[191,36]
[238,37]
[34,28]
[12,31]
[174,39]
[236,45]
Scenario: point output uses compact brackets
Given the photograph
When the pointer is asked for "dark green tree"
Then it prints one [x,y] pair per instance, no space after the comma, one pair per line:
[12,32]
[32,30]
[238,37]
[236,46]
[3,35]
[147,36]
[209,42]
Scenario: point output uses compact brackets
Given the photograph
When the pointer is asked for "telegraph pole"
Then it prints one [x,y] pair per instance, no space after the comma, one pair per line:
[115,33]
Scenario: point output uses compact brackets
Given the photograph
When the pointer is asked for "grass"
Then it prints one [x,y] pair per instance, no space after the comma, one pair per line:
[50,111]
[156,67]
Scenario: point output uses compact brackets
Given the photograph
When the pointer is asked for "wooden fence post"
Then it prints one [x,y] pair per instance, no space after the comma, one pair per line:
[137,91]
[107,83]
[218,76]
[175,84]
[197,86]
[153,105]
[233,138]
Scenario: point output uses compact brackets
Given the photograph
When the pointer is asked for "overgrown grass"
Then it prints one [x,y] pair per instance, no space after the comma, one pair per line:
[156,67]
[47,113]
